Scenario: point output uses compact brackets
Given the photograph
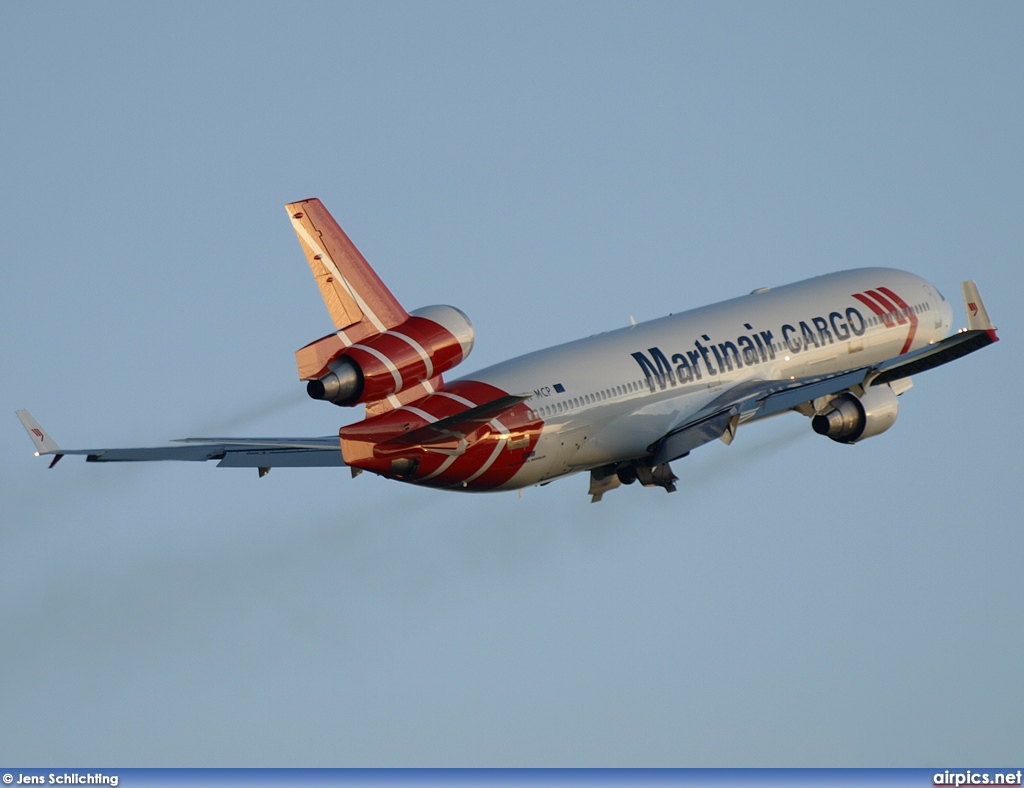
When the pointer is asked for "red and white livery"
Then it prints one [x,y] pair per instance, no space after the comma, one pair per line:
[622,405]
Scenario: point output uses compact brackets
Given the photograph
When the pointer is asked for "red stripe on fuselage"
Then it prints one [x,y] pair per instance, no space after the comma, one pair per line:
[887,310]
[910,313]
[888,305]
[490,458]
[870,304]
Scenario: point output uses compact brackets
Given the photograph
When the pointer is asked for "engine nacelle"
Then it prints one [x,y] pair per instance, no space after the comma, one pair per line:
[433,340]
[849,419]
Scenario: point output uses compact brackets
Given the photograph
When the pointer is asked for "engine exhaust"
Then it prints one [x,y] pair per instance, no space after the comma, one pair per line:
[341,385]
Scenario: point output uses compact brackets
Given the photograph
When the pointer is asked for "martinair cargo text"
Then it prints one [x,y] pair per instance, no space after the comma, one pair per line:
[622,405]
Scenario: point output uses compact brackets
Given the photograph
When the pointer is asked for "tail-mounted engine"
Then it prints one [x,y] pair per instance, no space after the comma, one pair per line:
[849,418]
[433,340]
[378,349]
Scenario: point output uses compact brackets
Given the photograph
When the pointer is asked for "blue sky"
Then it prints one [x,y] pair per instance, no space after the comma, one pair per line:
[552,169]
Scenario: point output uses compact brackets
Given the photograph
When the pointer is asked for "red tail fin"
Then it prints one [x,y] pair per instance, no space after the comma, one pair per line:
[359,302]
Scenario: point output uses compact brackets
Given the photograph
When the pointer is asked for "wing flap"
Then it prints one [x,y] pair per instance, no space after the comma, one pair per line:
[232,452]
[231,455]
[807,389]
[681,442]
[283,458]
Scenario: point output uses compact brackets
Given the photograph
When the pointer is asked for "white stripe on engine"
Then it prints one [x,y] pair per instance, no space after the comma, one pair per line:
[418,348]
[385,361]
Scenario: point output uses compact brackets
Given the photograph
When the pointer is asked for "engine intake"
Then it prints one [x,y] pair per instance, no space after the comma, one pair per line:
[849,418]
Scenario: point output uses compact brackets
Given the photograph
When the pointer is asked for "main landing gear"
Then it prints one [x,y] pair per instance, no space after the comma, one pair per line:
[608,477]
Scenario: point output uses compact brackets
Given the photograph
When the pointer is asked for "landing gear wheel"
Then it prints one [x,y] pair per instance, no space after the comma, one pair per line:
[627,475]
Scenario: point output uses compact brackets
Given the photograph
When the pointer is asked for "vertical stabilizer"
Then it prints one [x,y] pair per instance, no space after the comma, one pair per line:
[352,291]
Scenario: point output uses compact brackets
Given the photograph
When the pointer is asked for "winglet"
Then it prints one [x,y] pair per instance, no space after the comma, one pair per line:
[40,438]
[977,316]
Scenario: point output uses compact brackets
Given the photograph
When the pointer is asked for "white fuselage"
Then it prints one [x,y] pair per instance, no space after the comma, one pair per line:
[608,397]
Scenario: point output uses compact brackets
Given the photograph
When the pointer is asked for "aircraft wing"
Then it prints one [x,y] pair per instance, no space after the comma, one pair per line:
[760,398]
[262,453]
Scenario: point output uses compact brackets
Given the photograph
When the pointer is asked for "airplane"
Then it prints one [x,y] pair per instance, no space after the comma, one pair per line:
[624,404]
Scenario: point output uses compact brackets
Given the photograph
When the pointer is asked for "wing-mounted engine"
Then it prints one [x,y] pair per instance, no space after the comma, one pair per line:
[433,340]
[849,418]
